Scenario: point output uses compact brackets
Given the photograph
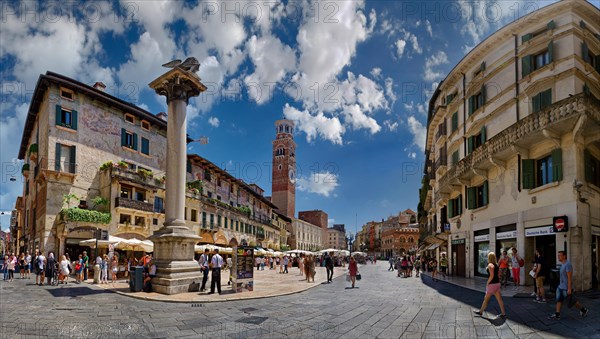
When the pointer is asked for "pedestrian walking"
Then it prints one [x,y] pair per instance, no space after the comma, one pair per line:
[50,267]
[444,265]
[540,274]
[5,268]
[28,265]
[257,262]
[391,260]
[492,286]
[204,263]
[271,261]
[63,270]
[113,269]
[262,263]
[311,268]
[11,267]
[503,264]
[410,265]
[534,268]
[79,269]
[352,270]
[404,267]
[86,262]
[216,263]
[329,266]
[516,263]
[104,270]
[433,268]
[565,288]
[286,261]
[40,264]
[417,267]
[301,264]
[22,266]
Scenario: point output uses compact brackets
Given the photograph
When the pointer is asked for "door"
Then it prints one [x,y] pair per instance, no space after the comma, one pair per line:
[458,260]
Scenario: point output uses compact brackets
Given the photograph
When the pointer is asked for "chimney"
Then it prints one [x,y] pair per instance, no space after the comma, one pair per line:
[162,115]
[100,86]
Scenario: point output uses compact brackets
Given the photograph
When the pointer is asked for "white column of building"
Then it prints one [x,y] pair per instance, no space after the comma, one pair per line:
[176,162]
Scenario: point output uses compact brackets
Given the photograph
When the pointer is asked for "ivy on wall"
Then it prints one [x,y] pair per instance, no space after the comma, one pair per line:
[78,214]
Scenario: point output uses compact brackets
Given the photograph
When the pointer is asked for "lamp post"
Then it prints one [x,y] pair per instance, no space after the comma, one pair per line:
[350,241]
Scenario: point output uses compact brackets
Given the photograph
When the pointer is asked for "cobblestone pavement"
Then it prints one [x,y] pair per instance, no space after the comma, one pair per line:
[383,306]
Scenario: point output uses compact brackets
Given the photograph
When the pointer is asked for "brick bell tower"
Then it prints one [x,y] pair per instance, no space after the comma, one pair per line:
[284,168]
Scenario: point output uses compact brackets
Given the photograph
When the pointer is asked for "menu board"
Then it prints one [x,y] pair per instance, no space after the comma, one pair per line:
[243,269]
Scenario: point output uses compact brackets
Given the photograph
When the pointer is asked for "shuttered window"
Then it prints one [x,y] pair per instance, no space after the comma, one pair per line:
[66,118]
[541,101]
[592,168]
[476,140]
[145,146]
[542,171]
[129,139]
[530,63]
[455,158]
[477,101]
[454,122]
[455,207]
[477,196]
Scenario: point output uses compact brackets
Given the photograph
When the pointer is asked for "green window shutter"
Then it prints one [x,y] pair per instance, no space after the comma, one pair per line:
[57,158]
[551,25]
[485,193]
[582,24]
[450,208]
[528,168]
[585,52]
[536,103]
[471,198]
[135,141]
[454,121]
[58,115]
[449,99]
[74,120]
[526,65]
[73,159]
[483,135]
[123,137]
[482,67]
[586,89]
[526,37]
[551,51]
[546,98]
[189,166]
[597,36]
[557,172]
[587,163]
[469,145]
[145,146]
[459,200]
[455,158]
[597,63]
[471,104]
[483,94]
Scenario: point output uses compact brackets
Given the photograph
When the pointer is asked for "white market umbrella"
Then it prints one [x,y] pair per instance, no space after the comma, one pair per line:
[328,250]
[344,252]
[101,243]
[135,245]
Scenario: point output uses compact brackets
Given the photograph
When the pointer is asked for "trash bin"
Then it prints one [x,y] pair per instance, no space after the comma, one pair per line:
[136,279]
[554,279]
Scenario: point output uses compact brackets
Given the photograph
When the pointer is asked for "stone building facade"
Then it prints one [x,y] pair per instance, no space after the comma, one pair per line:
[307,236]
[93,161]
[512,145]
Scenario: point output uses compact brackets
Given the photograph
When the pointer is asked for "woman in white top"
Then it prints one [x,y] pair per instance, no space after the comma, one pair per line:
[63,270]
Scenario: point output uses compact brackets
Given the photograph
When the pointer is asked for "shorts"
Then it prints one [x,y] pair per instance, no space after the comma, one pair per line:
[561,295]
[443,269]
[539,282]
[492,288]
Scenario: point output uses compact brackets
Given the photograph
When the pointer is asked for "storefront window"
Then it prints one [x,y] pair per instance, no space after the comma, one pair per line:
[483,248]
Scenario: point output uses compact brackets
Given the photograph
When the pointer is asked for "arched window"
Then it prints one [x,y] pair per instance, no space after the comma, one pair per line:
[402,240]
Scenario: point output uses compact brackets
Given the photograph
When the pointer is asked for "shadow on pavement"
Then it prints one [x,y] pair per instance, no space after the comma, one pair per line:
[76,291]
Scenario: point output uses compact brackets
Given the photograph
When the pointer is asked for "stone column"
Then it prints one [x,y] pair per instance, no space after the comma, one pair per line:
[177,272]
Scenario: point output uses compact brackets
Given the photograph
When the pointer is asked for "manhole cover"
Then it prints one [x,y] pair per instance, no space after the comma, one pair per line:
[252,320]
[248,309]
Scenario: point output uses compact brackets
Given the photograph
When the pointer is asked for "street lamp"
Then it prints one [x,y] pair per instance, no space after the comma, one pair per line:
[350,241]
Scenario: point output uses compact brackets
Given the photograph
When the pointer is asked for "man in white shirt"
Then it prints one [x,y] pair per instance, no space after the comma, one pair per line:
[216,263]
[203,262]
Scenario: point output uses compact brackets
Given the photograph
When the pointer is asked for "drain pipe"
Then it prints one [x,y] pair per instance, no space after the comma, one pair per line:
[517,90]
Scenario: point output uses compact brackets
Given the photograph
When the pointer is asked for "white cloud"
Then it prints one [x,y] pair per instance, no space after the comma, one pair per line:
[376,72]
[315,125]
[358,120]
[213,121]
[400,45]
[435,60]
[389,90]
[418,131]
[391,126]
[412,155]
[415,44]
[428,27]
[272,61]
[322,183]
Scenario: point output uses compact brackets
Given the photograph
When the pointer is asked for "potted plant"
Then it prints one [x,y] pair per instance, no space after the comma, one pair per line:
[25,170]
[122,165]
[33,151]
[107,165]
[144,173]
[160,181]
[100,203]
[68,197]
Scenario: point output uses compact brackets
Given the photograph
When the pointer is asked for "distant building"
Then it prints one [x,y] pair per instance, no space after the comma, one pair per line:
[283,193]
[335,239]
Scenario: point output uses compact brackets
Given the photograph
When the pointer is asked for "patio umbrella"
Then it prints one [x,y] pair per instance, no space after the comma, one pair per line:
[101,243]
[135,245]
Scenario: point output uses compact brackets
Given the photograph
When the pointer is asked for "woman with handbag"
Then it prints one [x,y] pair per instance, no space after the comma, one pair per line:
[353,270]
[492,287]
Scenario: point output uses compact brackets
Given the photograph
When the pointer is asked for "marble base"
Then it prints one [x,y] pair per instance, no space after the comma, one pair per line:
[176,269]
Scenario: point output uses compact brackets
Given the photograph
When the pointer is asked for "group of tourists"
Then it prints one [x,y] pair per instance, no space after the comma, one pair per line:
[12,263]
[564,291]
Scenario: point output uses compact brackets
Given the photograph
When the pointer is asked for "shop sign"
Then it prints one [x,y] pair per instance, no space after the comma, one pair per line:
[483,237]
[561,224]
[458,241]
[595,230]
[446,227]
[243,269]
[506,235]
[534,232]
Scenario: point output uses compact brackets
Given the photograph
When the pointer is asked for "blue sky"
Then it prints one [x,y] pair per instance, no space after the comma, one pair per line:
[356,77]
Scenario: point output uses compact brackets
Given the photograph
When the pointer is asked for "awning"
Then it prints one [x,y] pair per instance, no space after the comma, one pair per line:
[433,246]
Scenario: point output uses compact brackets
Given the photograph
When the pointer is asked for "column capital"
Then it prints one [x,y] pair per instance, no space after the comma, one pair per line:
[178,84]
